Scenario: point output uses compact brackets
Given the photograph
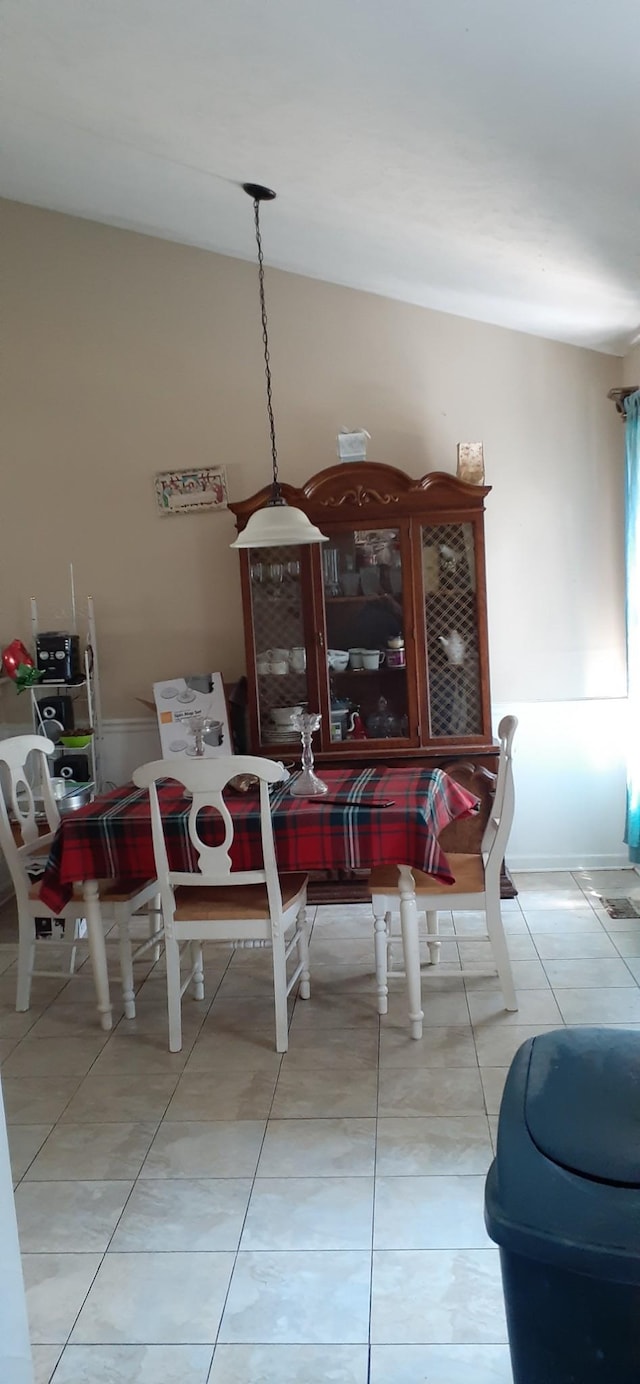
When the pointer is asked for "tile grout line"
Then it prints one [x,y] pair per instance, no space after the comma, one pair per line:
[253,1183]
[134,1181]
[104,1253]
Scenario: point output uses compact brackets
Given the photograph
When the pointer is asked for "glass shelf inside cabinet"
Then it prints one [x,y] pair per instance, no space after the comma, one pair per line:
[451,616]
[279,642]
[363,583]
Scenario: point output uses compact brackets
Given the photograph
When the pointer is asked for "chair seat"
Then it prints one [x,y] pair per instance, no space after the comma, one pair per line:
[468,872]
[111,891]
[241,902]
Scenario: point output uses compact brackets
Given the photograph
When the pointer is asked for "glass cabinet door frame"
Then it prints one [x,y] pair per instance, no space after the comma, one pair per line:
[347,748]
[417,524]
[247,557]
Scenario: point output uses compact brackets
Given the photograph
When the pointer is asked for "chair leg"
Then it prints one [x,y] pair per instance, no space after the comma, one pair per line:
[72,961]
[394,948]
[303,954]
[500,950]
[126,963]
[411,948]
[172,958]
[381,944]
[432,933]
[280,992]
[198,970]
[95,936]
[26,957]
[155,922]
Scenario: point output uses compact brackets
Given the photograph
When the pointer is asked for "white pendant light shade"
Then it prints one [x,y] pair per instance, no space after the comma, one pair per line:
[278,526]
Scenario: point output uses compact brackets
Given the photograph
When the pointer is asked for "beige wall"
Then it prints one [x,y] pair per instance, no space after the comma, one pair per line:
[631,366]
[126,355]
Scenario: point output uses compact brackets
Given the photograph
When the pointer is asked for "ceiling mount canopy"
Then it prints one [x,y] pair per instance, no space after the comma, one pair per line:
[277,524]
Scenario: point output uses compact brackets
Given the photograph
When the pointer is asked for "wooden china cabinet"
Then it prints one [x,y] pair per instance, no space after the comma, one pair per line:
[383,629]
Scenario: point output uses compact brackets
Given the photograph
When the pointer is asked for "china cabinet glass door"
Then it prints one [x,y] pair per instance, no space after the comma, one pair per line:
[363,579]
[454,683]
[280,652]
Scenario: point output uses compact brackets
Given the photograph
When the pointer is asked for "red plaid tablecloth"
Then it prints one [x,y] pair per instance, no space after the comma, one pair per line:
[111,838]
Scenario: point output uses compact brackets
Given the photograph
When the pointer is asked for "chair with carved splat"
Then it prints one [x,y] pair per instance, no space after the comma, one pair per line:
[218,904]
[26,842]
[476,887]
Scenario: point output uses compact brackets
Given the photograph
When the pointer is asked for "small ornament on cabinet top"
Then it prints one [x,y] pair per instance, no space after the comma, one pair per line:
[471,462]
[352,446]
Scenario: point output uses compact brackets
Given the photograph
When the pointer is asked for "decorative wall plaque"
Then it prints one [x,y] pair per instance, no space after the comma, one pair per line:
[180,492]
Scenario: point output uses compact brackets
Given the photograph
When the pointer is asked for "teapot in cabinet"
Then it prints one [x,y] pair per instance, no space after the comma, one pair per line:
[454,647]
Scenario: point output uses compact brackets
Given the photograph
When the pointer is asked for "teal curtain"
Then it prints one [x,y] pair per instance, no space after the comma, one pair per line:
[632,546]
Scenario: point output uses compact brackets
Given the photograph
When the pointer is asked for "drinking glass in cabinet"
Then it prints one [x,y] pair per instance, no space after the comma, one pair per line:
[395,574]
[331,571]
[276,576]
[370,576]
[349,575]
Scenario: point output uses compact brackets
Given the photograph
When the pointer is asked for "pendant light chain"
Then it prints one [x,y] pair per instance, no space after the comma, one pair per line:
[277,494]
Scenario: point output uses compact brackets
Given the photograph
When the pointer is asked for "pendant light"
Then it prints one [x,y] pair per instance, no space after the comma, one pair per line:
[277,524]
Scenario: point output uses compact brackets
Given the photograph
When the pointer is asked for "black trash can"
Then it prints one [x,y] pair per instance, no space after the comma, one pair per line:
[562,1200]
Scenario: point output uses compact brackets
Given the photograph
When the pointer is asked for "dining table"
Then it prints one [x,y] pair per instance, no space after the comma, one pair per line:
[368,817]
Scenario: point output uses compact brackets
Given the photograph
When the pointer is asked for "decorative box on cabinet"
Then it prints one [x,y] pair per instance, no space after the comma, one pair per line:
[405,561]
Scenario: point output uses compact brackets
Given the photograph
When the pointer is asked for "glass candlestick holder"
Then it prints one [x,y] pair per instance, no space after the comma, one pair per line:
[199,726]
[307,784]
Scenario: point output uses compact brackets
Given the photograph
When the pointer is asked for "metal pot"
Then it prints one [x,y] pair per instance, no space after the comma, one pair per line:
[70,796]
[79,797]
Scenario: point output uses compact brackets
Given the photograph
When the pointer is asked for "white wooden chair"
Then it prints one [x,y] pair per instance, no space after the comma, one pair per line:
[26,851]
[476,887]
[218,905]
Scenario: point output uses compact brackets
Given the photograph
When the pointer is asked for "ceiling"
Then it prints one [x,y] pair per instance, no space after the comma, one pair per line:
[475,156]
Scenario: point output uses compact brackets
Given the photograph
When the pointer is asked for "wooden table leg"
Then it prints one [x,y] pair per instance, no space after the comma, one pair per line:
[97,950]
[411,947]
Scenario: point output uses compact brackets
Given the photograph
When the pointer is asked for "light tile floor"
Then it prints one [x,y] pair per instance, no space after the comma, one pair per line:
[225,1215]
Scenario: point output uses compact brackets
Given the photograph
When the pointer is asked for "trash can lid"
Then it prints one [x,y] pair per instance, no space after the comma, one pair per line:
[582,1102]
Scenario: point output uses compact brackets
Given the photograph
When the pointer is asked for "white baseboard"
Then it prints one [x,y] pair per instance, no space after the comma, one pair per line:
[568,862]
